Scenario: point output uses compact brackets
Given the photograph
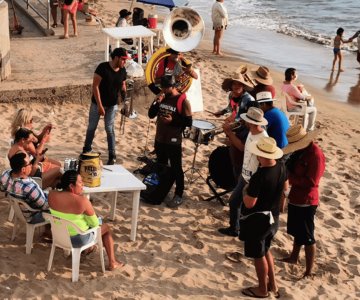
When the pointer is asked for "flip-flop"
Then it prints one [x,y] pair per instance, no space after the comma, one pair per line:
[276,294]
[233,256]
[250,293]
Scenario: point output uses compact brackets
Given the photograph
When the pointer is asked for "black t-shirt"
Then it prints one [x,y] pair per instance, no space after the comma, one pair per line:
[171,133]
[110,84]
[267,185]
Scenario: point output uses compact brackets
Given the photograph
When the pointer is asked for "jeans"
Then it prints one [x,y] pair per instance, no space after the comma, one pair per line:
[166,152]
[235,202]
[109,119]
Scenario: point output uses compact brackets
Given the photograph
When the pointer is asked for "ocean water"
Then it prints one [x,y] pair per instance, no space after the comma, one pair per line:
[292,33]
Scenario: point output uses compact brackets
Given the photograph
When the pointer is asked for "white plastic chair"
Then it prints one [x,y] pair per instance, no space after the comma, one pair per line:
[61,239]
[20,219]
[285,99]
[38,180]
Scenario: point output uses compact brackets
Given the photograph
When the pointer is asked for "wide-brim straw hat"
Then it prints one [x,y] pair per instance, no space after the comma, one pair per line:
[262,75]
[262,97]
[238,76]
[266,147]
[255,116]
[298,138]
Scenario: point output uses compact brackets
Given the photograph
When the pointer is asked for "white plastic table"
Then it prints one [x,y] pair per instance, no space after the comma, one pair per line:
[116,179]
[128,32]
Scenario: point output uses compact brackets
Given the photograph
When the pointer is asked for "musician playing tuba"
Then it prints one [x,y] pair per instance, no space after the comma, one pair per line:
[174,65]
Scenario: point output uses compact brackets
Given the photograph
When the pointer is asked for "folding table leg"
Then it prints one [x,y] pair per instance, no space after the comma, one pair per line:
[113,207]
[135,213]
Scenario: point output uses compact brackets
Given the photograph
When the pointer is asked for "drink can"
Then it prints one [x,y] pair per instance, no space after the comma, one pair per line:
[66,164]
[73,164]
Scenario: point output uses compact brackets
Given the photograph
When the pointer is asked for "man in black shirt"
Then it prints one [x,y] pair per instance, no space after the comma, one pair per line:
[260,214]
[173,113]
[108,83]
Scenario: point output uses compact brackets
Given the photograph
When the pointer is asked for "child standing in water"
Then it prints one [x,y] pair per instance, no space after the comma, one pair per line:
[338,41]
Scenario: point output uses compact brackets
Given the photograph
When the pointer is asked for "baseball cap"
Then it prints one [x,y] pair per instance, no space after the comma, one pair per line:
[121,52]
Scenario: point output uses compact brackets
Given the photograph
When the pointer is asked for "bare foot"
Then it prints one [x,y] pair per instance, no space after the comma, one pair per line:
[333,69]
[289,260]
[219,53]
[75,34]
[64,37]
[308,275]
[341,70]
[116,265]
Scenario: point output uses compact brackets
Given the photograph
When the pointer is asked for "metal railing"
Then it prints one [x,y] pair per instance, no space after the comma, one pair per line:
[43,3]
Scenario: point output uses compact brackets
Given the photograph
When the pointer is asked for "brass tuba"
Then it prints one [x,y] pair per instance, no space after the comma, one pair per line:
[183,30]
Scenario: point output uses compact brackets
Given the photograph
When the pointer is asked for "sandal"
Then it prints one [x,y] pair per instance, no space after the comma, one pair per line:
[234,256]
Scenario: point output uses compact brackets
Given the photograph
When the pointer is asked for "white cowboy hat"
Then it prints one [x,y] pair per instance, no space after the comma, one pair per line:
[262,75]
[262,97]
[298,138]
[266,147]
[255,116]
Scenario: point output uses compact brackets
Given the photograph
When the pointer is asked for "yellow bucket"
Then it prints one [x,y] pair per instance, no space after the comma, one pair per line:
[90,169]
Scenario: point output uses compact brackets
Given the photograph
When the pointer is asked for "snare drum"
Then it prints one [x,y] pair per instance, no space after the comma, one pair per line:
[201,132]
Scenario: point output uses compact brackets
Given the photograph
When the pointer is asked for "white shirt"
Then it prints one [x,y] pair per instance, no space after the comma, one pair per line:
[219,15]
[251,163]
[121,22]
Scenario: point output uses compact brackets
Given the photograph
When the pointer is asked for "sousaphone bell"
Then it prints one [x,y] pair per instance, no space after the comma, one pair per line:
[183,30]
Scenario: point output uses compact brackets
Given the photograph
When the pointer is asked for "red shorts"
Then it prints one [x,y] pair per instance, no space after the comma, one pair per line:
[72,8]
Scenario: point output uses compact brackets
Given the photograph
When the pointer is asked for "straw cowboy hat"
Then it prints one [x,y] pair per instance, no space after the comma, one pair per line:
[255,116]
[262,97]
[266,147]
[262,75]
[237,76]
[298,138]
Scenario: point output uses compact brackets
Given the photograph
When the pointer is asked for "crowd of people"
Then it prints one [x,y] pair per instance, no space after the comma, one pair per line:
[271,160]
[267,156]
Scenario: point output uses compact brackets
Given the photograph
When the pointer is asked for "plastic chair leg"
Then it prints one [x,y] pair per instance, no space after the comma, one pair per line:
[52,252]
[75,264]
[101,250]
[29,238]
[11,214]
[14,230]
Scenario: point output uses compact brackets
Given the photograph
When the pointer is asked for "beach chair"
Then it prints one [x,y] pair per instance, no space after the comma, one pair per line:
[285,99]
[38,180]
[19,218]
[61,239]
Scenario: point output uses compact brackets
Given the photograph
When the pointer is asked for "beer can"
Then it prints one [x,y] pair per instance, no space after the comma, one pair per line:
[66,164]
[73,164]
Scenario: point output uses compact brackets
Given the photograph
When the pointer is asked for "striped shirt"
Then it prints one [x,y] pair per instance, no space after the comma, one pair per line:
[25,189]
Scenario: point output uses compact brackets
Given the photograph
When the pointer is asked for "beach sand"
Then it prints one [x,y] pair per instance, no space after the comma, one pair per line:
[178,253]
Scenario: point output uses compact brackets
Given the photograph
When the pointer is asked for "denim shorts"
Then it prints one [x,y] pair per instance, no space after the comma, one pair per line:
[80,240]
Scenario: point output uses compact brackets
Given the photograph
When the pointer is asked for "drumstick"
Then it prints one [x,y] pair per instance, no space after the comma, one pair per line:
[210,112]
[215,119]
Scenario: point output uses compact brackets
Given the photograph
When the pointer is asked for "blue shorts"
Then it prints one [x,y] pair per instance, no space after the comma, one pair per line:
[37,218]
[80,240]
[336,50]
